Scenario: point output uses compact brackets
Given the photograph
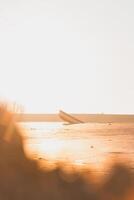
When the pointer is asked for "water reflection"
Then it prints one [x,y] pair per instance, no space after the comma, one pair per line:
[80,144]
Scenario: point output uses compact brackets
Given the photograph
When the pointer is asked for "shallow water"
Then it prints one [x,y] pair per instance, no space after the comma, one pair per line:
[90,143]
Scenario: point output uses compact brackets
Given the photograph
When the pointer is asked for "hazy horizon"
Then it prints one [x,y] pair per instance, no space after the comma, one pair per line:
[71,55]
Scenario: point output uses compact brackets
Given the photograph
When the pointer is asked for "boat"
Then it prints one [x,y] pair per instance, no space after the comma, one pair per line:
[69,118]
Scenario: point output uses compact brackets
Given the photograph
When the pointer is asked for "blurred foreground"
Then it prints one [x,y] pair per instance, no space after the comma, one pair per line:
[24,178]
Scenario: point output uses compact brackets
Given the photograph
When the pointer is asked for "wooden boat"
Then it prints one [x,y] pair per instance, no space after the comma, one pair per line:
[69,118]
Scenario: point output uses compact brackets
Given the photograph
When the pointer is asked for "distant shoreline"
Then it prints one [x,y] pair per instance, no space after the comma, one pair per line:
[93,118]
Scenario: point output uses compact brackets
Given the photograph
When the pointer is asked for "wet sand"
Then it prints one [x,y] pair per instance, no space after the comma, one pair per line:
[92,144]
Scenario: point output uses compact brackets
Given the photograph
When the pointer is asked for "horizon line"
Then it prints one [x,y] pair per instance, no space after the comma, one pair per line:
[85,117]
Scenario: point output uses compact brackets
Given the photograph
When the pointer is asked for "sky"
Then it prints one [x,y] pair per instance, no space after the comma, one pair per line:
[75,55]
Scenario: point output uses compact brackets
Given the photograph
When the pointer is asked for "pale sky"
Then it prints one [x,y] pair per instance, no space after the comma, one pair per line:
[75,55]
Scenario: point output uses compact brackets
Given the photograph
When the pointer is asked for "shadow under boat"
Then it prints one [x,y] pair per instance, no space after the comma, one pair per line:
[69,118]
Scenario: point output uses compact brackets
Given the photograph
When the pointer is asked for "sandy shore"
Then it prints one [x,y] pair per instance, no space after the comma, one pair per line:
[89,144]
[22,177]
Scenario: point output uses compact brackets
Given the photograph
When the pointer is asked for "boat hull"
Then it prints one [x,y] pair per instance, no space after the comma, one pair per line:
[69,118]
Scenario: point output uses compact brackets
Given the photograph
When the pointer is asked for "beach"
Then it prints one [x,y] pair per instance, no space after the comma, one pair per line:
[88,144]
[57,161]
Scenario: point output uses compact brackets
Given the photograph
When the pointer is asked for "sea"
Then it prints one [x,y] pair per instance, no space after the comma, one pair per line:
[93,144]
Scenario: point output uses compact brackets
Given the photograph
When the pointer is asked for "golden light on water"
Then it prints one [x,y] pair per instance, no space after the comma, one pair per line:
[68,150]
[95,145]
